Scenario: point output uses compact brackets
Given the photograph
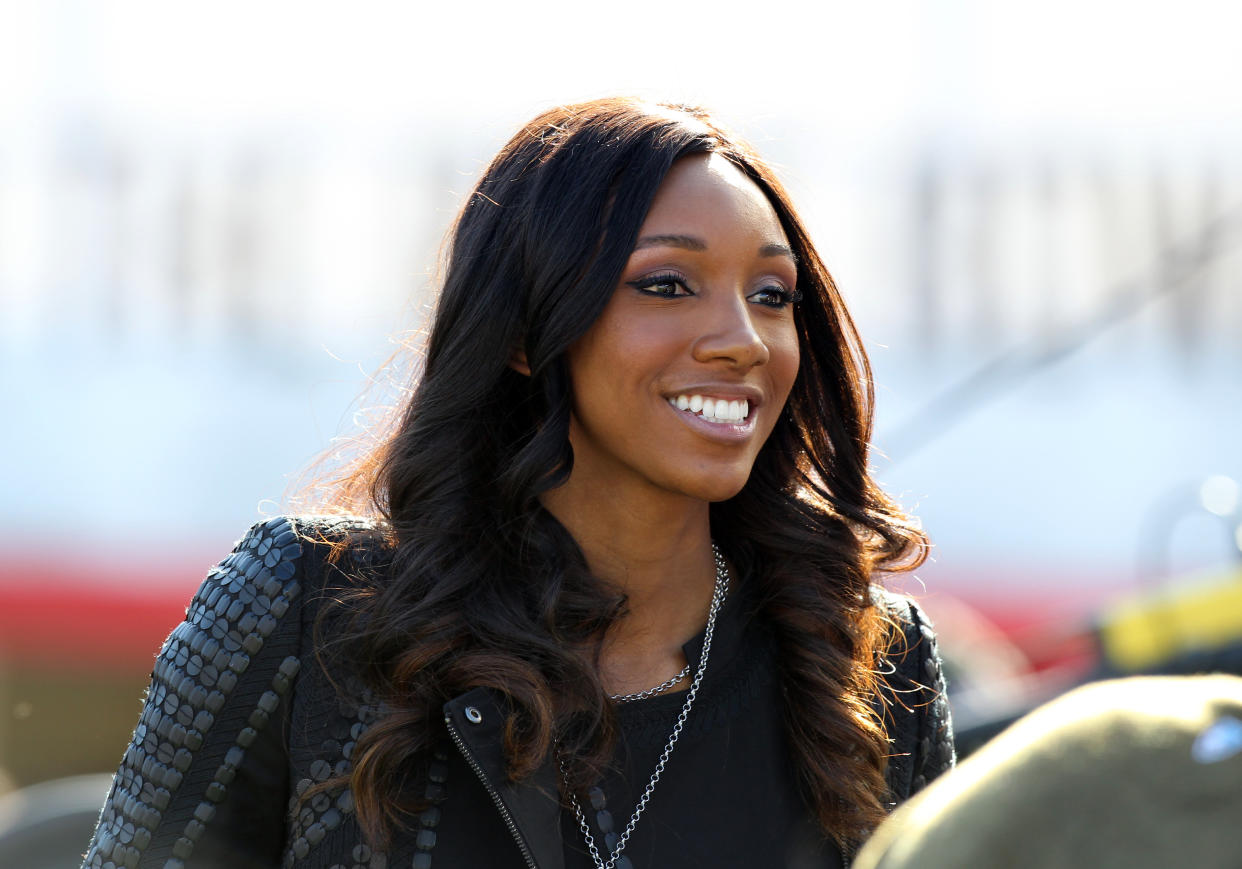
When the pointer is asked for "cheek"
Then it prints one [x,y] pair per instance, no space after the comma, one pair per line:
[624,352]
[784,359]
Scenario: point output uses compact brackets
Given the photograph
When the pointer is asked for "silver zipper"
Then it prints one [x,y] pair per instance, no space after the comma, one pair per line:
[487,785]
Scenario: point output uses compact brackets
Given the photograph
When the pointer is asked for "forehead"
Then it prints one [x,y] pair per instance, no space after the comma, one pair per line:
[708,188]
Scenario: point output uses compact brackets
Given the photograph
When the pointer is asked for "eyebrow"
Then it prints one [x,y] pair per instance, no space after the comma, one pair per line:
[690,242]
[778,250]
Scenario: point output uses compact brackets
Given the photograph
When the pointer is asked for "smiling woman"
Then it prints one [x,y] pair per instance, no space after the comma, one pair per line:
[704,313]
[609,582]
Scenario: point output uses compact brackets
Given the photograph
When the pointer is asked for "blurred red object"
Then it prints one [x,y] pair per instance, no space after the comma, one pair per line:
[100,615]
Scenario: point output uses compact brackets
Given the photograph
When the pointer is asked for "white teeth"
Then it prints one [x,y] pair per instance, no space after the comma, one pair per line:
[719,410]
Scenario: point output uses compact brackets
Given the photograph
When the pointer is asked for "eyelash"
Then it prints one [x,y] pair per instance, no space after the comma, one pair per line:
[644,285]
[784,297]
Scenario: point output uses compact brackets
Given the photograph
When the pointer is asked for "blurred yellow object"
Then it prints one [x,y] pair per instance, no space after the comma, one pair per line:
[1197,615]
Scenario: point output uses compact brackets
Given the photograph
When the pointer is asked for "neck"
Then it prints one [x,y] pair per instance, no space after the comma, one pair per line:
[658,553]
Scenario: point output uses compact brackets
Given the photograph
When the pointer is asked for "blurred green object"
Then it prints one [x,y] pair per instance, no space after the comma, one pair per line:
[1141,773]
[56,723]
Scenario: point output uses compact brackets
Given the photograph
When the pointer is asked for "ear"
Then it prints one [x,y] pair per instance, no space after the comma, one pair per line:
[517,361]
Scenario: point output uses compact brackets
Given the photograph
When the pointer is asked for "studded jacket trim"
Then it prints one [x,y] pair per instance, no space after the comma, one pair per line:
[233,733]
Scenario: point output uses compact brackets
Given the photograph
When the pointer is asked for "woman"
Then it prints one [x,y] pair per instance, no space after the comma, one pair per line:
[615,606]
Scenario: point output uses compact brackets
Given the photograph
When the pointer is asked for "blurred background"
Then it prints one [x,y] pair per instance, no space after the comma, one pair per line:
[217,223]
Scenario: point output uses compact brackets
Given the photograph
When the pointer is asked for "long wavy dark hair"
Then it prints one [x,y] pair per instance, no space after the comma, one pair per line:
[487,589]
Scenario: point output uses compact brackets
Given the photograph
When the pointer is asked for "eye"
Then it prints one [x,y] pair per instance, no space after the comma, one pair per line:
[669,285]
[775,296]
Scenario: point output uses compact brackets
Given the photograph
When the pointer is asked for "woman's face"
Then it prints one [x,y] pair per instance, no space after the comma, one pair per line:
[681,380]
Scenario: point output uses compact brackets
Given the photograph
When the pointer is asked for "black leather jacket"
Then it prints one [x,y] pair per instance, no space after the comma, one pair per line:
[241,720]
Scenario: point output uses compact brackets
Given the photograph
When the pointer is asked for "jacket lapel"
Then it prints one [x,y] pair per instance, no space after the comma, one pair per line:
[531,809]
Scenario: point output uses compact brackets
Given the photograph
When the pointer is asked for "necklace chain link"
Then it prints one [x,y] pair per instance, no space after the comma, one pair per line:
[718,596]
[651,692]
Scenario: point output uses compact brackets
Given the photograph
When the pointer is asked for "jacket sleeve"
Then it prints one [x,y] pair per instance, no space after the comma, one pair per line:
[204,781]
[913,703]
[935,752]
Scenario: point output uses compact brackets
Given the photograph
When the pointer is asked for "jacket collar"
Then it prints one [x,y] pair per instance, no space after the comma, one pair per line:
[531,808]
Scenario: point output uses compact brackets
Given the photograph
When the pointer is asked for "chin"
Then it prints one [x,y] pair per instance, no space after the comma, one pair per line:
[720,488]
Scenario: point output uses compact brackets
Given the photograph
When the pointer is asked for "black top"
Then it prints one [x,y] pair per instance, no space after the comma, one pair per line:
[242,721]
[727,796]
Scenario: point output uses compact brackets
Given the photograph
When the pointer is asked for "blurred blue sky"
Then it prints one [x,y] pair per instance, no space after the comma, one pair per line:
[214,219]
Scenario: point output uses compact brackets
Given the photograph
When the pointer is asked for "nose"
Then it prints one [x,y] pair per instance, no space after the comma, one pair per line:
[729,334]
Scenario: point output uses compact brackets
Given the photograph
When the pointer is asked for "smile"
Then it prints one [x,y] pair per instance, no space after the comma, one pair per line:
[720,411]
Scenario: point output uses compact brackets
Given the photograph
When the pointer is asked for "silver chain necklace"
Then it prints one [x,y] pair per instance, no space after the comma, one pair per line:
[718,596]
[651,692]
